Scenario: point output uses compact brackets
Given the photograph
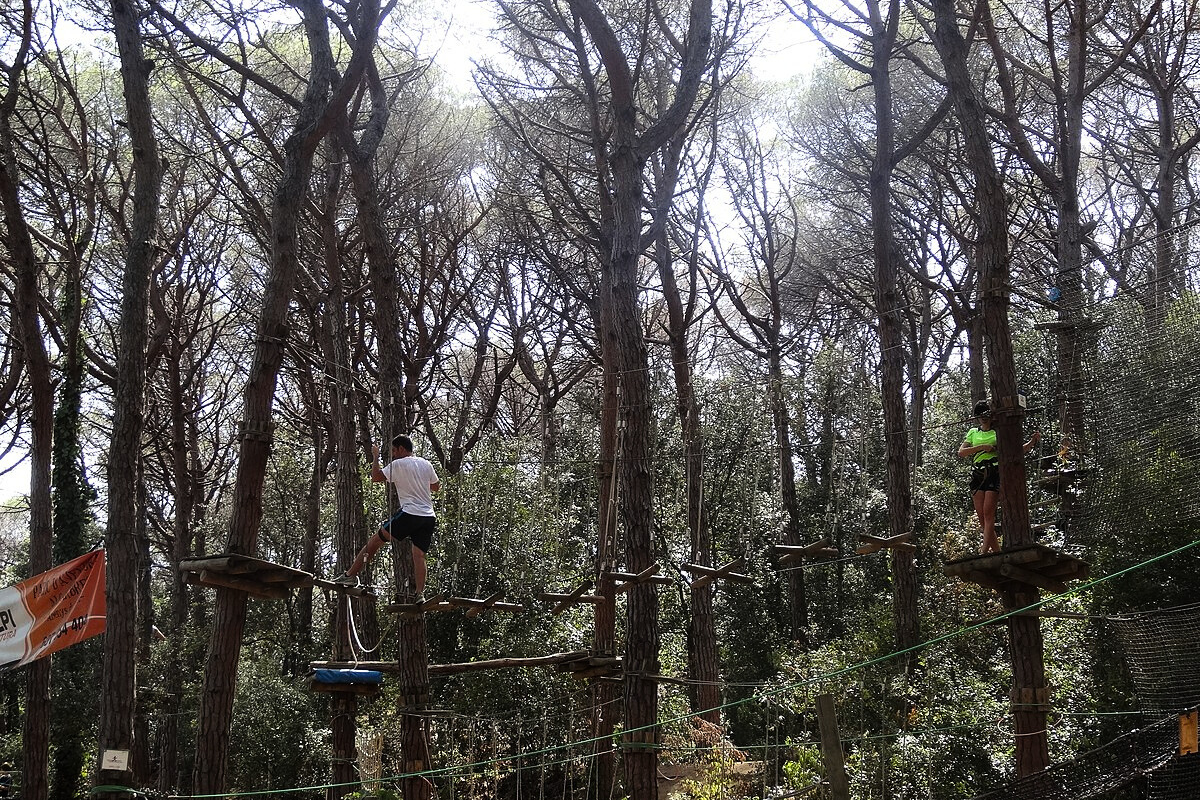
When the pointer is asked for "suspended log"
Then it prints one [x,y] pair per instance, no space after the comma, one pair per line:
[435,603]
[576,596]
[710,574]
[627,580]
[344,588]
[474,605]
[466,666]
[871,544]
[789,554]
[553,659]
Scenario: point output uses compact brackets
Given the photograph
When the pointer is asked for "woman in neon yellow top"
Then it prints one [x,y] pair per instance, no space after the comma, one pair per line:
[980,446]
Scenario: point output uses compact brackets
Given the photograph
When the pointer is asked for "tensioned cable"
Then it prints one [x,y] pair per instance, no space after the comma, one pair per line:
[766,693]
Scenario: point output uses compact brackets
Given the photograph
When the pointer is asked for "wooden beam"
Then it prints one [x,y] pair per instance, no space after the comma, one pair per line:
[785,550]
[377,666]
[473,604]
[639,576]
[831,748]
[344,588]
[1023,575]
[983,579]
[466,666]
[710,574]
[594,672]
[577,595]
[872,544]
[216,563]
[725,569]
[648,575]
[435,603]
[252,588]
[506,663]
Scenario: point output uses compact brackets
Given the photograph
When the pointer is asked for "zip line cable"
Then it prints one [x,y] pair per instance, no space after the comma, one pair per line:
[765,694]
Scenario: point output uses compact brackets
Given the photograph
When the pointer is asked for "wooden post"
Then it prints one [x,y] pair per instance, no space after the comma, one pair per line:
[413,664]
[831,748]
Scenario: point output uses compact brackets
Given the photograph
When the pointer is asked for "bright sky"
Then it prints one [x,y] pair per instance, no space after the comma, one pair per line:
[462,27]
[458,31]
[15,483]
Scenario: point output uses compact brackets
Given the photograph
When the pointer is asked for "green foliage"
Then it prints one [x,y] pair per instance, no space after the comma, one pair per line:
[804,767]
[278,736]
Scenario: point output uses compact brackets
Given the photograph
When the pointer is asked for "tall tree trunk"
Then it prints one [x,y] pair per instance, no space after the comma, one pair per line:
[991,252]
[316,113]
[604,639]
[77,668]
[703,690]
[626,157]
[185,493]
[35,741]
[310,541]
[792,535]
[140,758]
[889,306]
[381,262]
[350,521]
[414,688]
[124,455]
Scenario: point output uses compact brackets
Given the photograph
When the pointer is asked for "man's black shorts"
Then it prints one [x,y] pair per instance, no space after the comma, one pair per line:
[410,526]
[985,477]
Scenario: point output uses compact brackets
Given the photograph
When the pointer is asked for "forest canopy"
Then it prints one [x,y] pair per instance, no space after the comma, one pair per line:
[689,330]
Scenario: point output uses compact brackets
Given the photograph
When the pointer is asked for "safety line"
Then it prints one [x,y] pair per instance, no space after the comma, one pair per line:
[766,693]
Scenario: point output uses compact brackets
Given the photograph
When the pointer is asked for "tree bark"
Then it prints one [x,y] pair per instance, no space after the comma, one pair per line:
[604,639]
[35,743]
[124,456]
[890,308]
[703,691]
[316,114]
[991,252]
[626,158]
[782,424]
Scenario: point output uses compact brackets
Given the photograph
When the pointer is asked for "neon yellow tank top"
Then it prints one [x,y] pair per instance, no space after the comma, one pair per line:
[976,437]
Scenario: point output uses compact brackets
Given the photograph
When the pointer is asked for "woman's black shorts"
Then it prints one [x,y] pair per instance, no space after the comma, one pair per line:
[985,477]
[410,526]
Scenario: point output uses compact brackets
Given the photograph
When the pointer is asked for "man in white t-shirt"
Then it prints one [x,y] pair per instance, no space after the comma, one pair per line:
[415,481]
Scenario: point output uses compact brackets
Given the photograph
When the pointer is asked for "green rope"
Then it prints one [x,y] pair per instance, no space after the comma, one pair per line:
[124,789]
[829,676]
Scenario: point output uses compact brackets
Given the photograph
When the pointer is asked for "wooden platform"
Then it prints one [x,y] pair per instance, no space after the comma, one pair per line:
[344,681]
[254,576]
[1020,567]
[591,667]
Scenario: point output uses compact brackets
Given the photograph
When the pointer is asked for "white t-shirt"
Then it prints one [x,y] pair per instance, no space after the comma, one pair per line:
[412,476]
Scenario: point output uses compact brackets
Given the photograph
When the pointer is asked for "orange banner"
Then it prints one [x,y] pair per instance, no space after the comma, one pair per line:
[53,610]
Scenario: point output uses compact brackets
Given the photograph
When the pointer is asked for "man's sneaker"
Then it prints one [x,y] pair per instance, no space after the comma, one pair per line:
[347,580]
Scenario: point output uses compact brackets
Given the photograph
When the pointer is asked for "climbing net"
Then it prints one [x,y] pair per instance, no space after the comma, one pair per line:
[1145,763]
[1122,490]
[1124,484]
